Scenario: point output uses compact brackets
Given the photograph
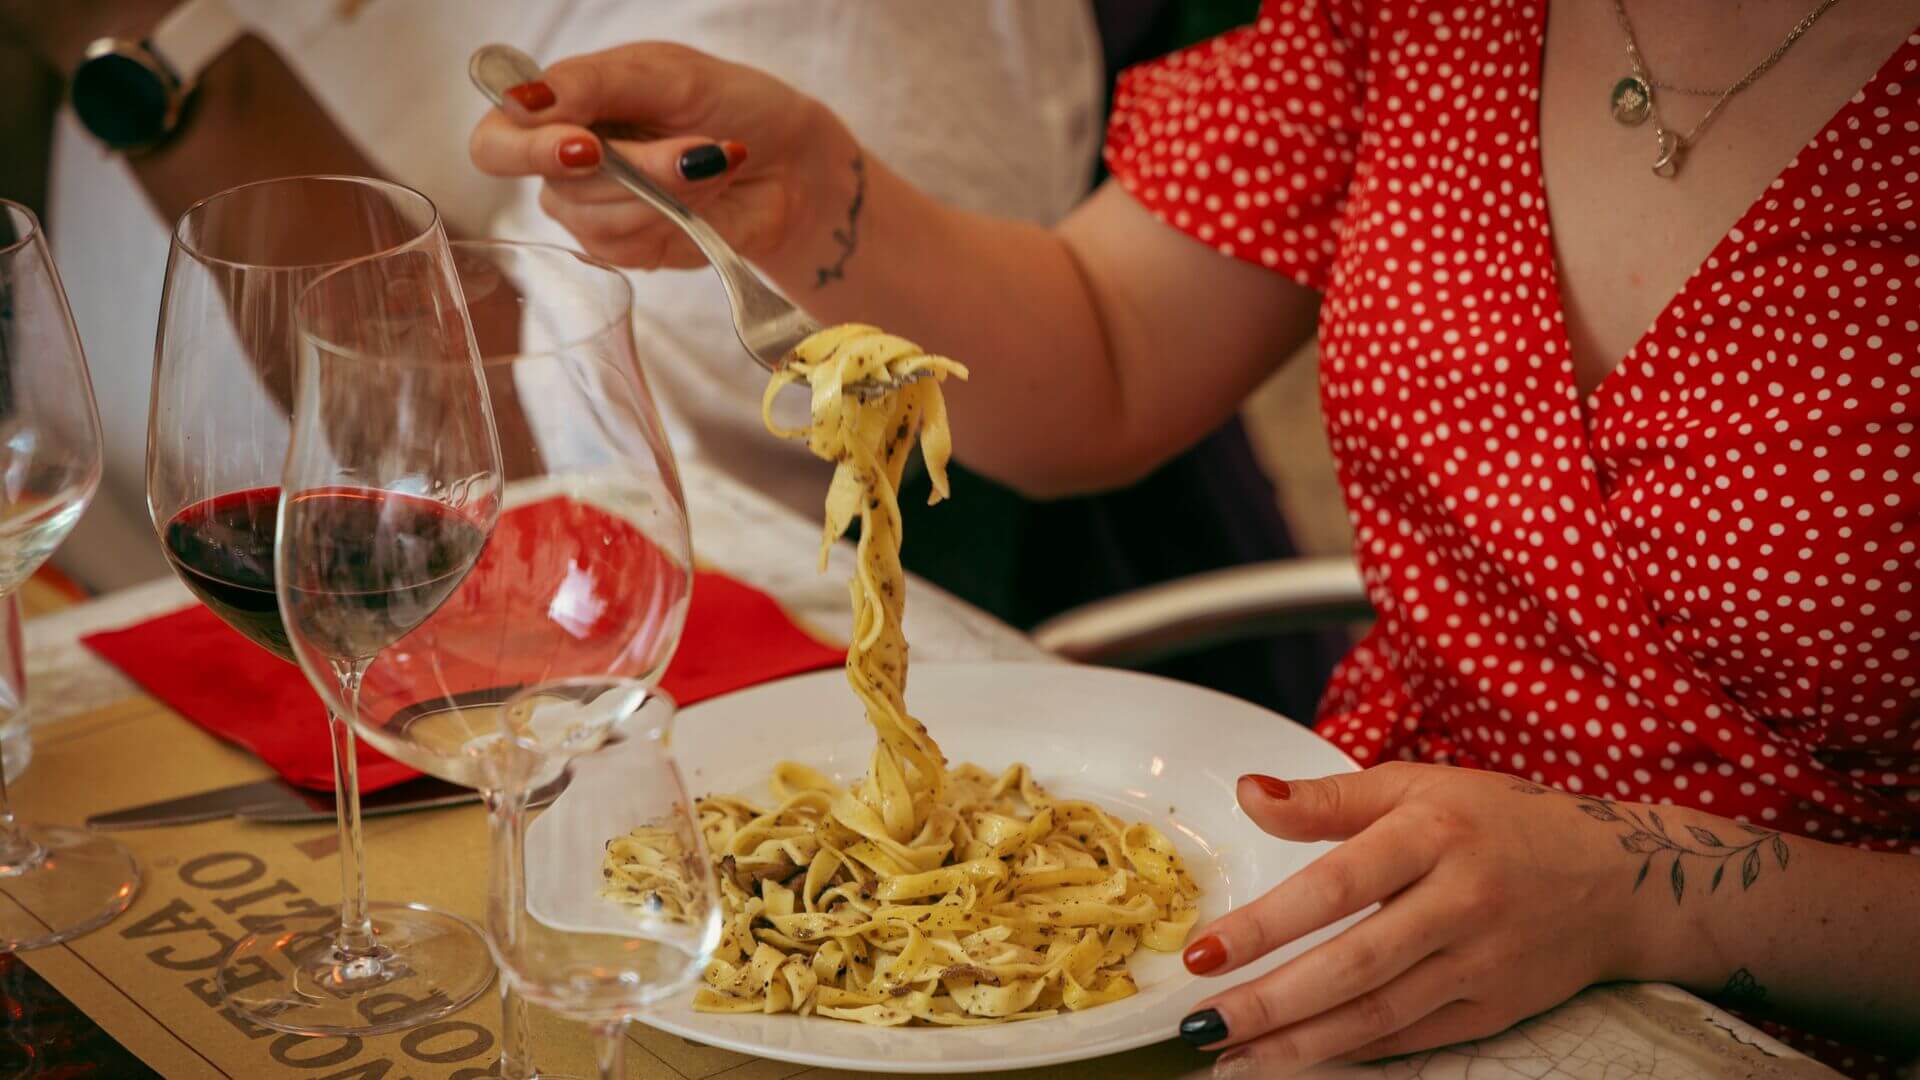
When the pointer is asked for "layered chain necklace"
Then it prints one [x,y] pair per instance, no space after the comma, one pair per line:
[1633,97]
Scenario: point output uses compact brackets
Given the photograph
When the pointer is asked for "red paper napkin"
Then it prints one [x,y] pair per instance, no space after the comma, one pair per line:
[736,636]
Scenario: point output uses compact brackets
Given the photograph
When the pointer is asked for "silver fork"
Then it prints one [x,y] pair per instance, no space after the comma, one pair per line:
[769,327]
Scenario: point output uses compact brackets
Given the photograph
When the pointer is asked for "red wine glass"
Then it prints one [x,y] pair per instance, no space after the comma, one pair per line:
[217,439]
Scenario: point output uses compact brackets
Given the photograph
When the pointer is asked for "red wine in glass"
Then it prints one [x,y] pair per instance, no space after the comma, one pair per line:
[378,563]
[223,549]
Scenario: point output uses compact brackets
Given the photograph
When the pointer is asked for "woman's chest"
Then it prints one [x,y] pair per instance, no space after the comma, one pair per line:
[1744,487]
[1627,237]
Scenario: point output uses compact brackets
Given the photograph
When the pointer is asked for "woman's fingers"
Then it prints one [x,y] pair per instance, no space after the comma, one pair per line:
[628,232]
[500,147]
[1353,966]
[651,84]
[543,129]
[594,190]
[1366,870]
[1460,1021]
[1331,807]
[569,155]
[1429,988]
[613,223]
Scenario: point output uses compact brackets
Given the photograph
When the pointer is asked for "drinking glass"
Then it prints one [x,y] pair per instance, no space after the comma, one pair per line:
[217,440]
[587,575]
[604,902]
[58,882]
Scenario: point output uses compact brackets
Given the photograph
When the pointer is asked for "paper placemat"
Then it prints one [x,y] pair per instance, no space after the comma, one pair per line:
[147,978]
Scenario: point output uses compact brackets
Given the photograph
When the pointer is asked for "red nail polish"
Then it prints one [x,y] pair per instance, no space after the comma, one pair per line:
[1271,786]
[1204,955]
[579,152]
[532,96]
[736,154]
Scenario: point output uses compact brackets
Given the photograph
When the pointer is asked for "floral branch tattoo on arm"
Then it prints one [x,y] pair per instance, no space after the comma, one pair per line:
[847,238]
[1641,831]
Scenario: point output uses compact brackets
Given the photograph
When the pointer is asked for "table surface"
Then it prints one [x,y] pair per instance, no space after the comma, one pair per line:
[1620,1032]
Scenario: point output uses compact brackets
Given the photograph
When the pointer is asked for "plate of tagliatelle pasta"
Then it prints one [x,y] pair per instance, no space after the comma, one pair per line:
[1076,774]
[996,868]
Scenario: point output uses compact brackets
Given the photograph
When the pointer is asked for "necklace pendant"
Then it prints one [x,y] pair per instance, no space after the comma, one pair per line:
[1632,100]
[1672,148]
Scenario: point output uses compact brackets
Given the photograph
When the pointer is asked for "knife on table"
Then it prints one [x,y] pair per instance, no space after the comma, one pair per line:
[275,801]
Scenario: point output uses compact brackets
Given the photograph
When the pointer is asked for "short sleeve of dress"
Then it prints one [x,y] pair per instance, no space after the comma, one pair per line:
[1246,142]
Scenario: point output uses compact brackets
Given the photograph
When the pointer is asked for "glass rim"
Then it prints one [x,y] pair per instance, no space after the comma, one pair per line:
[34,228]
[328,350]
[179,227]
[601,266]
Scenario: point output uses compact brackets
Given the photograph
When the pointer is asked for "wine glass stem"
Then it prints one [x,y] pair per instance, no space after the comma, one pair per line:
[506,816]
[15,848]
[611,1049]
[516,1060]
[18,852]
[355,936]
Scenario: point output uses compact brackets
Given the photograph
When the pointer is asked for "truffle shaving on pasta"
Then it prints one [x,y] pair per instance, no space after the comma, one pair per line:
[922,894]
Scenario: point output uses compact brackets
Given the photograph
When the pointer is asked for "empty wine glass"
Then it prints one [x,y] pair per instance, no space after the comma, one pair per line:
[589,569]
[217,439]
[604,902]
[59,882]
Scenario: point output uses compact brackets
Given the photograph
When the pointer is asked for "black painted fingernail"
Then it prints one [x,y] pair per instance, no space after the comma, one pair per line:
[703,162]
[1203,1028]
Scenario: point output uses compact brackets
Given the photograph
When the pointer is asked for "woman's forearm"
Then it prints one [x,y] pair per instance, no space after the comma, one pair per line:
[1084,340]
[1817,935]
[1003,297]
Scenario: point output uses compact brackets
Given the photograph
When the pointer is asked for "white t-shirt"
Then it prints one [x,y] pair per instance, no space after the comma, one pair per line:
[990,104]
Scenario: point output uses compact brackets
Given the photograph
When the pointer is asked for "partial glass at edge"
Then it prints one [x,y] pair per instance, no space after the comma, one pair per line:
[57,882]
[569,933]
[217,438]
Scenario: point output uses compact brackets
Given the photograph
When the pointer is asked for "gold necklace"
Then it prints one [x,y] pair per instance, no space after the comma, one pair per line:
[1633,100]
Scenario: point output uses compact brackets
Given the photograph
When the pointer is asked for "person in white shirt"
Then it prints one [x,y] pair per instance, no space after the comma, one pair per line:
[993,104]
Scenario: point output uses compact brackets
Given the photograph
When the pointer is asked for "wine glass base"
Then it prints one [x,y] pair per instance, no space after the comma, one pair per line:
[76,881]
[425,965]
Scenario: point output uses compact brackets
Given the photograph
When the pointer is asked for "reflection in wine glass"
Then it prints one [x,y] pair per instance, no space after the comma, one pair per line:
[57,882]
[217,438]
[588,569]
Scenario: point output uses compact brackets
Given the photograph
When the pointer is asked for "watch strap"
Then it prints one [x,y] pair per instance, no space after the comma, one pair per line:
[192,36]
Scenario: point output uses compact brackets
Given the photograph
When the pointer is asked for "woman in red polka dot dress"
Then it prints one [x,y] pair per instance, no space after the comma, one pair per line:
[1630,455]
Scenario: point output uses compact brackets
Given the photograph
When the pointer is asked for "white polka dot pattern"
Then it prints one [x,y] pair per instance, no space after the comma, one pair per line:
[1699,585]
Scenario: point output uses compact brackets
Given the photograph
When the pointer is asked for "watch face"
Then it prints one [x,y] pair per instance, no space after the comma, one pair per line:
[120,100]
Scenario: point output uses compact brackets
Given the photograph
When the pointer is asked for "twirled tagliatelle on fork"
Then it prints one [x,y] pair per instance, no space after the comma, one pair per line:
[922,894]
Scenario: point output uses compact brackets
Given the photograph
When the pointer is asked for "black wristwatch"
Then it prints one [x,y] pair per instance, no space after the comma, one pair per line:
[130,94]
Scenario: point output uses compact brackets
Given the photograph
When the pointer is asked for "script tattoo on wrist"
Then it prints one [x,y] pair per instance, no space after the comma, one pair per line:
[1641,831]
[848,237]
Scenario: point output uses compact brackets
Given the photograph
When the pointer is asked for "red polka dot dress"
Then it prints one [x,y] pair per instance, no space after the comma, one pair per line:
[1699,583]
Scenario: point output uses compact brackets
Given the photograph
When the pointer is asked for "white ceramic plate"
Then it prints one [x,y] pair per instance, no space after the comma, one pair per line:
[1144,747]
